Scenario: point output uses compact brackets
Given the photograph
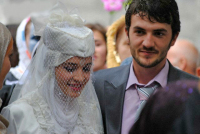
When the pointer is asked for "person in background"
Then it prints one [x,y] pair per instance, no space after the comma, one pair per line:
[180,114]
[198,67]
[57,95]
[6,48]
[25,43]
[100,46]
[14,58]
[6,91]
[184,55]
[117,43]
[152,27]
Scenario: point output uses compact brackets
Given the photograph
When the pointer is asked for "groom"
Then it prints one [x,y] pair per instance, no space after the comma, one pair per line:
[152,27]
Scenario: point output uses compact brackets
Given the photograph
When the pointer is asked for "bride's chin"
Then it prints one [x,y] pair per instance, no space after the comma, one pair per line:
[74,95]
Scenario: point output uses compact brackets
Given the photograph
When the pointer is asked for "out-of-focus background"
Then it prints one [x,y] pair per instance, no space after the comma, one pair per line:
[14,11]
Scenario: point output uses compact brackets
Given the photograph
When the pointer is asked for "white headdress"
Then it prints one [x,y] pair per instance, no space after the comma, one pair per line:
[24,59]
[5,37]
[63,37]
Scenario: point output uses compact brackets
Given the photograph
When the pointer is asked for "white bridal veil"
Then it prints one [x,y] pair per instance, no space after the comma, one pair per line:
[61,73]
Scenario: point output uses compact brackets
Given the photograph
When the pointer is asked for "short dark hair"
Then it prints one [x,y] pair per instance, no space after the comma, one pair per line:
[97,27]
[163,11]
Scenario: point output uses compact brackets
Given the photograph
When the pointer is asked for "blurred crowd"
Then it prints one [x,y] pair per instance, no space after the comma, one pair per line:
[111,47]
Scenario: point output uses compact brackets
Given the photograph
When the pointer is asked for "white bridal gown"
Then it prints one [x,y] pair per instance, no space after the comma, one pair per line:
[31,115]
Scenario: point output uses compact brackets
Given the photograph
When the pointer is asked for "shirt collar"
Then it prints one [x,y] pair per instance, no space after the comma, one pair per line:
[161,77]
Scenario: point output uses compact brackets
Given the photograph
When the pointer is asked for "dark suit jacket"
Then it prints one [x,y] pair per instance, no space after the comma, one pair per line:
[5,94]
[110,87]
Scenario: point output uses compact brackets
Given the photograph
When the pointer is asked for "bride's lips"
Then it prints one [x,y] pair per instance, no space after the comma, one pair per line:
[75,87]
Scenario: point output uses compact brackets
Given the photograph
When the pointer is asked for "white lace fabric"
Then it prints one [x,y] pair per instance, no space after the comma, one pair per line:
[57,84]
[46,122]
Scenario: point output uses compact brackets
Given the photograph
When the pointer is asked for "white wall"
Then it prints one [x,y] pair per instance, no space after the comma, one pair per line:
[13,11]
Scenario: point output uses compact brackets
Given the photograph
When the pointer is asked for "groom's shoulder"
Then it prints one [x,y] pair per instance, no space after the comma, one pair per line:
[180,75]
[111,71]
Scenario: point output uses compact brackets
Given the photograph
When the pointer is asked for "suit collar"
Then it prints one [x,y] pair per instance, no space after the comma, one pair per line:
[120,76]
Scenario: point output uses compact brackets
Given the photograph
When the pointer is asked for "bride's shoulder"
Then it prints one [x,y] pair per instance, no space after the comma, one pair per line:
[19,106]
[24,104]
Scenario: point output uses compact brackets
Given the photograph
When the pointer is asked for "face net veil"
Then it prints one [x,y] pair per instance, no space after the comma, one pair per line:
[61,74]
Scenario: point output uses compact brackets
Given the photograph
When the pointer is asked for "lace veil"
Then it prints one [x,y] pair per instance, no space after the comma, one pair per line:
[5,38]
[61,72]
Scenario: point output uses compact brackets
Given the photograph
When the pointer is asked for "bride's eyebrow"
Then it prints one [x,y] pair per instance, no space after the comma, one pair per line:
[88,64]
[71,64]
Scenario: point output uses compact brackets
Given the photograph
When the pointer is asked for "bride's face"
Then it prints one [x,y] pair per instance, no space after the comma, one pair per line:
[73,75]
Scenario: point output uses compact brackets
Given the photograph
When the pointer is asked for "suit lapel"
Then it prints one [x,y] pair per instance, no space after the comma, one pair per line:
[114,100]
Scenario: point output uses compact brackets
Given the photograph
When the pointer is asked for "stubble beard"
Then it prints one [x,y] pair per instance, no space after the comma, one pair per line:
[154,63]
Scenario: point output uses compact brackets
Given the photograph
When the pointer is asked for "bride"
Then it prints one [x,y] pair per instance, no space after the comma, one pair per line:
[57,95]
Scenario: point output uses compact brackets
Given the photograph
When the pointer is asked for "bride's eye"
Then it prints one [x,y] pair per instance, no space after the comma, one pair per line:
[70,69]
[86,69]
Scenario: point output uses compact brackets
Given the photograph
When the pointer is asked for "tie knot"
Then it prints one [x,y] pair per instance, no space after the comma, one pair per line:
[145,92]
